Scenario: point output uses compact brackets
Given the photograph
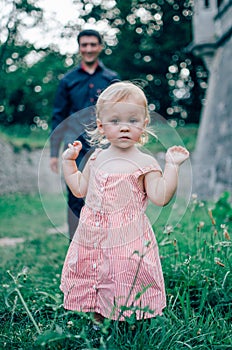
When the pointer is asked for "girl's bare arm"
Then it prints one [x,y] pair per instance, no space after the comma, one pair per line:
[76,180]
[161,188]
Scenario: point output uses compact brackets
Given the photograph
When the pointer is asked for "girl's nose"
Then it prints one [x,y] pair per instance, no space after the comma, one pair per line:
[124,126]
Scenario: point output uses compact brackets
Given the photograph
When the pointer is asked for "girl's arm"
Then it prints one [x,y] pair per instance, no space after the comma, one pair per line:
[77,181]
[161,188]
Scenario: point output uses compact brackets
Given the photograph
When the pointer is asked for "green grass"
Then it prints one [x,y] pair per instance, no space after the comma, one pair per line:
[196,260]
[21,136]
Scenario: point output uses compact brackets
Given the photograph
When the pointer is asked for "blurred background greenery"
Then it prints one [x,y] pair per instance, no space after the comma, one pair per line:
[145,41]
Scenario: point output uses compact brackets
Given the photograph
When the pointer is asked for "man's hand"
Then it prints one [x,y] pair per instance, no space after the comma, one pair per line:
[54,164]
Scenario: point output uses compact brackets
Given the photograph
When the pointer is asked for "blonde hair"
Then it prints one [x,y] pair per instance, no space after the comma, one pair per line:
[119,92]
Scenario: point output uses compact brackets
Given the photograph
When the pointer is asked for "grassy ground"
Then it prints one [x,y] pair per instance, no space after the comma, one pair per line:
[196,259]
[20,136]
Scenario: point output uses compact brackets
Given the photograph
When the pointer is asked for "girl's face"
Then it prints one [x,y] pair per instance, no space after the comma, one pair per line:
[122,123]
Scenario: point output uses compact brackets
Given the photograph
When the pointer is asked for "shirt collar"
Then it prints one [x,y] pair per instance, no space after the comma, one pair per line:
[99,66]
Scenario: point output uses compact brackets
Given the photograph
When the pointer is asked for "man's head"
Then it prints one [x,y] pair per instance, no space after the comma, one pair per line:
[90,45]
[89,32]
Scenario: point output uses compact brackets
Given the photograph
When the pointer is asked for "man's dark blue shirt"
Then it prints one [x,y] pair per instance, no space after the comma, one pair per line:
[77,91]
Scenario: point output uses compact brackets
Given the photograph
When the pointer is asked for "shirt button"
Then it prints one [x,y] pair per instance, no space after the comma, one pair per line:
[102,189]
[91,85]
[94,265]
[97,223]
[94,286]
[95,245]
[91,99]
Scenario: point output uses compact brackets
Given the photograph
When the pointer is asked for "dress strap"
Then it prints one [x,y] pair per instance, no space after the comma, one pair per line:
[95,153]
[148,169]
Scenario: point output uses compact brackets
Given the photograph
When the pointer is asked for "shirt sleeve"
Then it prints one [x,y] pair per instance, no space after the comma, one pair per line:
[60,113]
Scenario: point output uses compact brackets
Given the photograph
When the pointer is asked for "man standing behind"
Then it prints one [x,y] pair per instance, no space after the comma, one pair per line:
[77,91]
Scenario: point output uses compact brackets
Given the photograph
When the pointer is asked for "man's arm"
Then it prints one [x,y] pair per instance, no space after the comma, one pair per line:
[60,113]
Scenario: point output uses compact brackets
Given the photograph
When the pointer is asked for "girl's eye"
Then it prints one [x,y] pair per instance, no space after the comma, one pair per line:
[133,121]
[115,121]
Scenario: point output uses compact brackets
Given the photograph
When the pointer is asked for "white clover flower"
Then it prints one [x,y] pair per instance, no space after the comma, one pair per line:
[70,324]
[187,261]
[168,229]
[201,224]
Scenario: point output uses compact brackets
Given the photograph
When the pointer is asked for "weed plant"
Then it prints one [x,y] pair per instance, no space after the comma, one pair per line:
[196,261]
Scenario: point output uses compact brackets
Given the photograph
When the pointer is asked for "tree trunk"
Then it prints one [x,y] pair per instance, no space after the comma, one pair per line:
[212,159]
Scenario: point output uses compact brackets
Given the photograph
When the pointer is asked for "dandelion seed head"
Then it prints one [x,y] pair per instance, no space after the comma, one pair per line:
[211,208]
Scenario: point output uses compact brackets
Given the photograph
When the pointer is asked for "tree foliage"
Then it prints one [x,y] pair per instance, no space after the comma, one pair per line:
[28,73]
[151,46]
[144,41]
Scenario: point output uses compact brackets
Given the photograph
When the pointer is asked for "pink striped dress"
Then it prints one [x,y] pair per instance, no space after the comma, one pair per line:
[112,266]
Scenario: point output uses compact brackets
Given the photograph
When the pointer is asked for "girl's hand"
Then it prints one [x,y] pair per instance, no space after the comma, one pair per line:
[176,155]
[73,150]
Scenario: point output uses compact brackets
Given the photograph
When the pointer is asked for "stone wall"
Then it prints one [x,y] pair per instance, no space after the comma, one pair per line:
[26,172]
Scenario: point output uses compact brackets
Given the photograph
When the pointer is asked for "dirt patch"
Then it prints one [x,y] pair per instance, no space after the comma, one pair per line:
[7,241]
[57,230]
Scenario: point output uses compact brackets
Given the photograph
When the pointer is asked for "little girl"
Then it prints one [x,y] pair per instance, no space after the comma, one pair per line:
[112,267]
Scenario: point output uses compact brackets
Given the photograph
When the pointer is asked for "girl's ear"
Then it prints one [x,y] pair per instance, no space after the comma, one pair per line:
[100,126]
[146,121]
